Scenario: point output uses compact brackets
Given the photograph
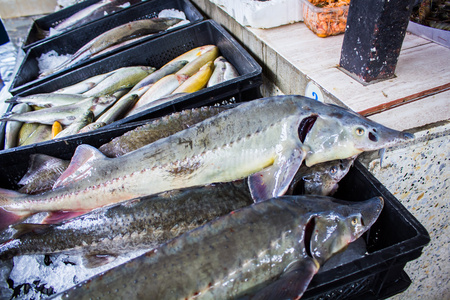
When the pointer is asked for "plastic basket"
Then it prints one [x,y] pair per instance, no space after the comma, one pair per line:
[159,51]
[69,42]
[45,23]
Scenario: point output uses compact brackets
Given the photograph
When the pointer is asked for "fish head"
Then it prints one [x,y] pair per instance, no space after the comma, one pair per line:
[338,133]
[333,230]
[323,178]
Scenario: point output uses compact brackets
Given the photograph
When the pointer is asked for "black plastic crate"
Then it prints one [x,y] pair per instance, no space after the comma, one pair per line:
[72,41]
[396,238]
[159,51]
[53,19]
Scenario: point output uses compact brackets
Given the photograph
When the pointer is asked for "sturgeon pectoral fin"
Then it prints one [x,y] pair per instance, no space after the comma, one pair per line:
[292,284]
[80,166]
[274,180]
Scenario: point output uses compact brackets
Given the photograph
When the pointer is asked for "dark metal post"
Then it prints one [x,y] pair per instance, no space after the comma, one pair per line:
[373,38]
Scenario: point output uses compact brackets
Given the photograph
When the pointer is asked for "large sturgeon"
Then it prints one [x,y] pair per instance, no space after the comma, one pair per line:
[278,244]
[260,139]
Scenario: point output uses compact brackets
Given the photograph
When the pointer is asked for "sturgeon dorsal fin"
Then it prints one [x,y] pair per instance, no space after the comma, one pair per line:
[81,165]
[274,180]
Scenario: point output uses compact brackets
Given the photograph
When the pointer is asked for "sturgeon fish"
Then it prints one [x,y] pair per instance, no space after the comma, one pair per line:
[260,139]
[144,223]
[279,243]
[321,179]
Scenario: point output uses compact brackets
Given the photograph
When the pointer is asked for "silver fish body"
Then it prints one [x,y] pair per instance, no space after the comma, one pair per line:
[64,114]
[51,99]
[84,85]
[280,243]
[80,122]
[91,13]
[114,36]
[12,128]
[122,78]
[138,224]
[223,71]
[259,139]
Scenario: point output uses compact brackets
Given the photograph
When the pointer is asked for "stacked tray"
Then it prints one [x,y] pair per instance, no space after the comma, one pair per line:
[69,42]
[159,51]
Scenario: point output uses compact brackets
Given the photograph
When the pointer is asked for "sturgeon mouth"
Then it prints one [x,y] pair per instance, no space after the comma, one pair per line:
[305,127]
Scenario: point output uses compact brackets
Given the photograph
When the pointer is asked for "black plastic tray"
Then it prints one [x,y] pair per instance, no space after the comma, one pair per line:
[53,19]
[396,238]
[159,51]
[70,42]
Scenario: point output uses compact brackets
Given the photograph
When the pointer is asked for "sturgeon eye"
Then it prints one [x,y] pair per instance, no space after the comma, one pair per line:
[354,221]
[333,170]
[359,131]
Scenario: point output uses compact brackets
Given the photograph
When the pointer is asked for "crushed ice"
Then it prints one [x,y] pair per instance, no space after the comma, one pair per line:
[50,60]
[41,276]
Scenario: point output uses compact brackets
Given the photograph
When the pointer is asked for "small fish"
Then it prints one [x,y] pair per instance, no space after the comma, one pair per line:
[197,81]
[122,78]
[124,104]
[91,13]
[267,148]
[161,88]
[194,66]
[80,122]
[193,54]
[142,223]
[155,103]
[321,179]
[223,71]
[42,133]
[25,131]
[117,46]
[85,85]
[12,128]
[64,114]
[91,127]
[167,69]
[278,244]
[42,173]
[47,100]
[114,36]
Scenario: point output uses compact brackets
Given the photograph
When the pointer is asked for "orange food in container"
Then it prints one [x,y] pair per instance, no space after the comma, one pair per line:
[325,18]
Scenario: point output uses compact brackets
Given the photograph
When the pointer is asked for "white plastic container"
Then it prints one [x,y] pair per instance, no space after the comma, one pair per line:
[263,14]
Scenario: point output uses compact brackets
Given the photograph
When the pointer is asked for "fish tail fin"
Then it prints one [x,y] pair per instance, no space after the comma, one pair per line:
[9,217]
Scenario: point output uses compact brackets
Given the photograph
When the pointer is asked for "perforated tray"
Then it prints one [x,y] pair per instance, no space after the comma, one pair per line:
[34,36]
[70,42]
